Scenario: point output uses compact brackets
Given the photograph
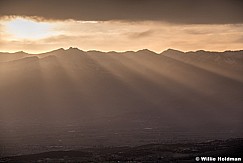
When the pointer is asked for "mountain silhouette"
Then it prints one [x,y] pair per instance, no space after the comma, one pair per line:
[70,98]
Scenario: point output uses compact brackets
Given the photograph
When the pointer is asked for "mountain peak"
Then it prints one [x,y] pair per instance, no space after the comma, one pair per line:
[59,50]
[146,51]
[73,48]
[20,52]
[173,50]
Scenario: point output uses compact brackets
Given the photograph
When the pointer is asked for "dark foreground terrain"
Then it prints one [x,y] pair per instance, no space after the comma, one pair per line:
[181,152]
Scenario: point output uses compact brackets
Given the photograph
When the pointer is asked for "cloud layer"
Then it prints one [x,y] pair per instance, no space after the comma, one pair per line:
[124,36]
[173,11]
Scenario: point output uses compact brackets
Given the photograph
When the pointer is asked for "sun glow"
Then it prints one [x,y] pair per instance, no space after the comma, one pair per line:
[20,28]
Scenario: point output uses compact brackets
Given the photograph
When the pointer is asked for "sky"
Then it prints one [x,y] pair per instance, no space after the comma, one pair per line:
[121,25]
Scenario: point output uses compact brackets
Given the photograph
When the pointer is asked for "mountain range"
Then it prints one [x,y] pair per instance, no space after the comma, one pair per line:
[65,99]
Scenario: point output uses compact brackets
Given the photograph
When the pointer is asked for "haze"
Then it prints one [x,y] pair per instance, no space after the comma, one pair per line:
[87,73]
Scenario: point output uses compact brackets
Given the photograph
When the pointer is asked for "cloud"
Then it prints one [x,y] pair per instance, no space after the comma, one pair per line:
[124,36]
[173,11]
[198,31]
[239,40]
[138,35]
[3,34]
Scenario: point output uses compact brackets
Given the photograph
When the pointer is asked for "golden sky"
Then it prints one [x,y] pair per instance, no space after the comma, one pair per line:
[36,35]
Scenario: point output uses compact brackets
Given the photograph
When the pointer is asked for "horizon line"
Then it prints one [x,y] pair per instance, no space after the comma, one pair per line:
[65,49]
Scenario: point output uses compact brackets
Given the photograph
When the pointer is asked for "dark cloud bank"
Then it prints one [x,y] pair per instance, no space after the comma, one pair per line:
[173,11]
